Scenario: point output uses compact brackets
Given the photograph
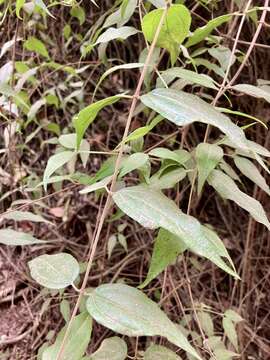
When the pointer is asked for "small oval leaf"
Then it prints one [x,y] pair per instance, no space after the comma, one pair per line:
[54,271]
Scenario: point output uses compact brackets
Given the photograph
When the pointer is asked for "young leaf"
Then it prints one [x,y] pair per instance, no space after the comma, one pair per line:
[207,158]
[166,249]
[78,12]
[252,91]
[37,46]
[54,163]
[202,32]
[227,189]
[190,76]
[250,171]
[77,340]
[86,116]
[152,209]
[142,131]
[182,109]
[174,30]
[129,311]
[19,6]
[133,162]
[54,271]
[158,352]
[113,348]
[24,216]
[65,310]
[17,238]
[111,34]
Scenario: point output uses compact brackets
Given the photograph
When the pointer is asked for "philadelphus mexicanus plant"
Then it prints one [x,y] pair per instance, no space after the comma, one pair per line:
[126,310]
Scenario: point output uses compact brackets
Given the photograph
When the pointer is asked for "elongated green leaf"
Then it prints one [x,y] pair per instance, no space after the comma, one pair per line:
[253,91]
[54,271]
[86,116]
[54,163]
[207,158]
[142,131]
[174,30]
[158,352]
[133,162]
[167,180]
[24,216]
[206,322]
[229,170]
[158,3]
[180,156]
[190,76]
[19,6]
[250,171]
[121,15]
[112,33]
[227,188]
[152,209]
[166,249]
[113,348]
[239,113]
[253,146]
[202,32]
[230,331]
[77,340]
[232,315]
[182,109]
[129,311]
[36,45]
[98,185]
[116,68]
[17,238]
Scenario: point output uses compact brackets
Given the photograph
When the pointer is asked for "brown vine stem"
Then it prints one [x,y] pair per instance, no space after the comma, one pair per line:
[114,178]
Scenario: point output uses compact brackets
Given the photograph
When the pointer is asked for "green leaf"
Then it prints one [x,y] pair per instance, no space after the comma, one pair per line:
[113,348]
[17,238]
[86,116]
[77,340]
[182,109]
[191,77]
[223,55]
[202,32]
[158,3]
[19,6]
[180,156]
[78,12]
[54,163]
[232,315]
[54,271]
[96,186]
[174,29]
[158,352]
[152,209]
[227,189]
[207,158]
[116,68]
[253,91]
[129,311]
[35,45]
[142,131]
[239,113]
[17,215]
[229,329]
[166,249]
[250,171]
[167,180]
[132,162]
[121,15]
[252,145]
[111,34]
[206,322]
[65,310]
